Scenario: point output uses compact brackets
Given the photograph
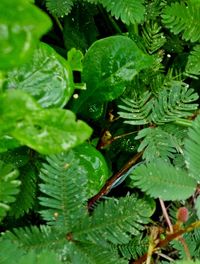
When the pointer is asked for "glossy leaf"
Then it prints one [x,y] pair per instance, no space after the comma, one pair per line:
[109,65]
[47,77]
[7,142]
[47,131]
[95,166]
[21,26]
[75,58]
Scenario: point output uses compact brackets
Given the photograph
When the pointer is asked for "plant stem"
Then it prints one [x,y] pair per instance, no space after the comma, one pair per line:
[166,216]
[106,188]
[58,23]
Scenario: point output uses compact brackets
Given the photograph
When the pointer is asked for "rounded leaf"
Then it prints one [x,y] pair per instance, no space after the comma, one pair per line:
[21,26]
[47,77]
[95,166]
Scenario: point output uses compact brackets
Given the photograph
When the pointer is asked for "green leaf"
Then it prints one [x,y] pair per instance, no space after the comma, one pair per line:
[47,77]
[9,252]
[7,142]
[160,179]
[193,64]
[44,257]
[81,171]
[192,149]
[117,61]
[114,220]
[47,131]
[75,58]
[129,11]
[197,206]
[59,8]
[26,197]
[9,187]
[95,165]
[64,190]
[183,17]
[21,26]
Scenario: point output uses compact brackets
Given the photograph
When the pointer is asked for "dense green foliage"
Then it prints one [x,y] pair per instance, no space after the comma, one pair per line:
[99,131]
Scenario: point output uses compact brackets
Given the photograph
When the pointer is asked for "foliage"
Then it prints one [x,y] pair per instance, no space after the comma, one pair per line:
[99,131]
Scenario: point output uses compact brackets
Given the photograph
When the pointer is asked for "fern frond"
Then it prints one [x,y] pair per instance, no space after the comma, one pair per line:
[193,65]
[153,38]
[161,180]
[183,18]
[39,238]
[64,190]
[59,8]
[173,102]
[129,11]
[45,257]
[9,252]
[9,187]
[176,101]
[135,248]
[25,199]
[156,143]
[136,111]
[113,221]
[192,149]
[94,254]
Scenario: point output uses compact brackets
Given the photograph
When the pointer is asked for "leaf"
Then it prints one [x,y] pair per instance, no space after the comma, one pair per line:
[183,18]
[197,206]
[18,157]
[81,171]
[192,149]
[129,11]
[114,220]
[193,66]
[75,58]
[21,26]
[59,8]
[64,190]
[94,254]
[7,142]
[26,197]
[9,252]
[46,76]
[44,257]
[118,61]
[160,179]
[156,143]
[9,187]
[48,131]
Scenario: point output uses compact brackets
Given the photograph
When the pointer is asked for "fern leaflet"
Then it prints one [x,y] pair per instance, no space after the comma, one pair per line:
[9,187]
[183,18]
[113,220]
[129,11]
[64,190]
[161,180]
[59,8]
[193,66]
[192,149]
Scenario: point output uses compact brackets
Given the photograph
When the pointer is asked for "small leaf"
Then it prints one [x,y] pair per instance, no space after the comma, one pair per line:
[117,61]
[75,58]
[159,179]
[7,142]
[47,77]
[21,26]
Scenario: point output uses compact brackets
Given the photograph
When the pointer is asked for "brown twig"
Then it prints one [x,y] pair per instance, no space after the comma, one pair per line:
[166,216]
[106,188]
[169,238]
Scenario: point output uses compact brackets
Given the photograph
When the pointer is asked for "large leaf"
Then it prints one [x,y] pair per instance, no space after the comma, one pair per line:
[47,77]
[160,179]
[47,131]
[108,66]
[21,26]
[8,187]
